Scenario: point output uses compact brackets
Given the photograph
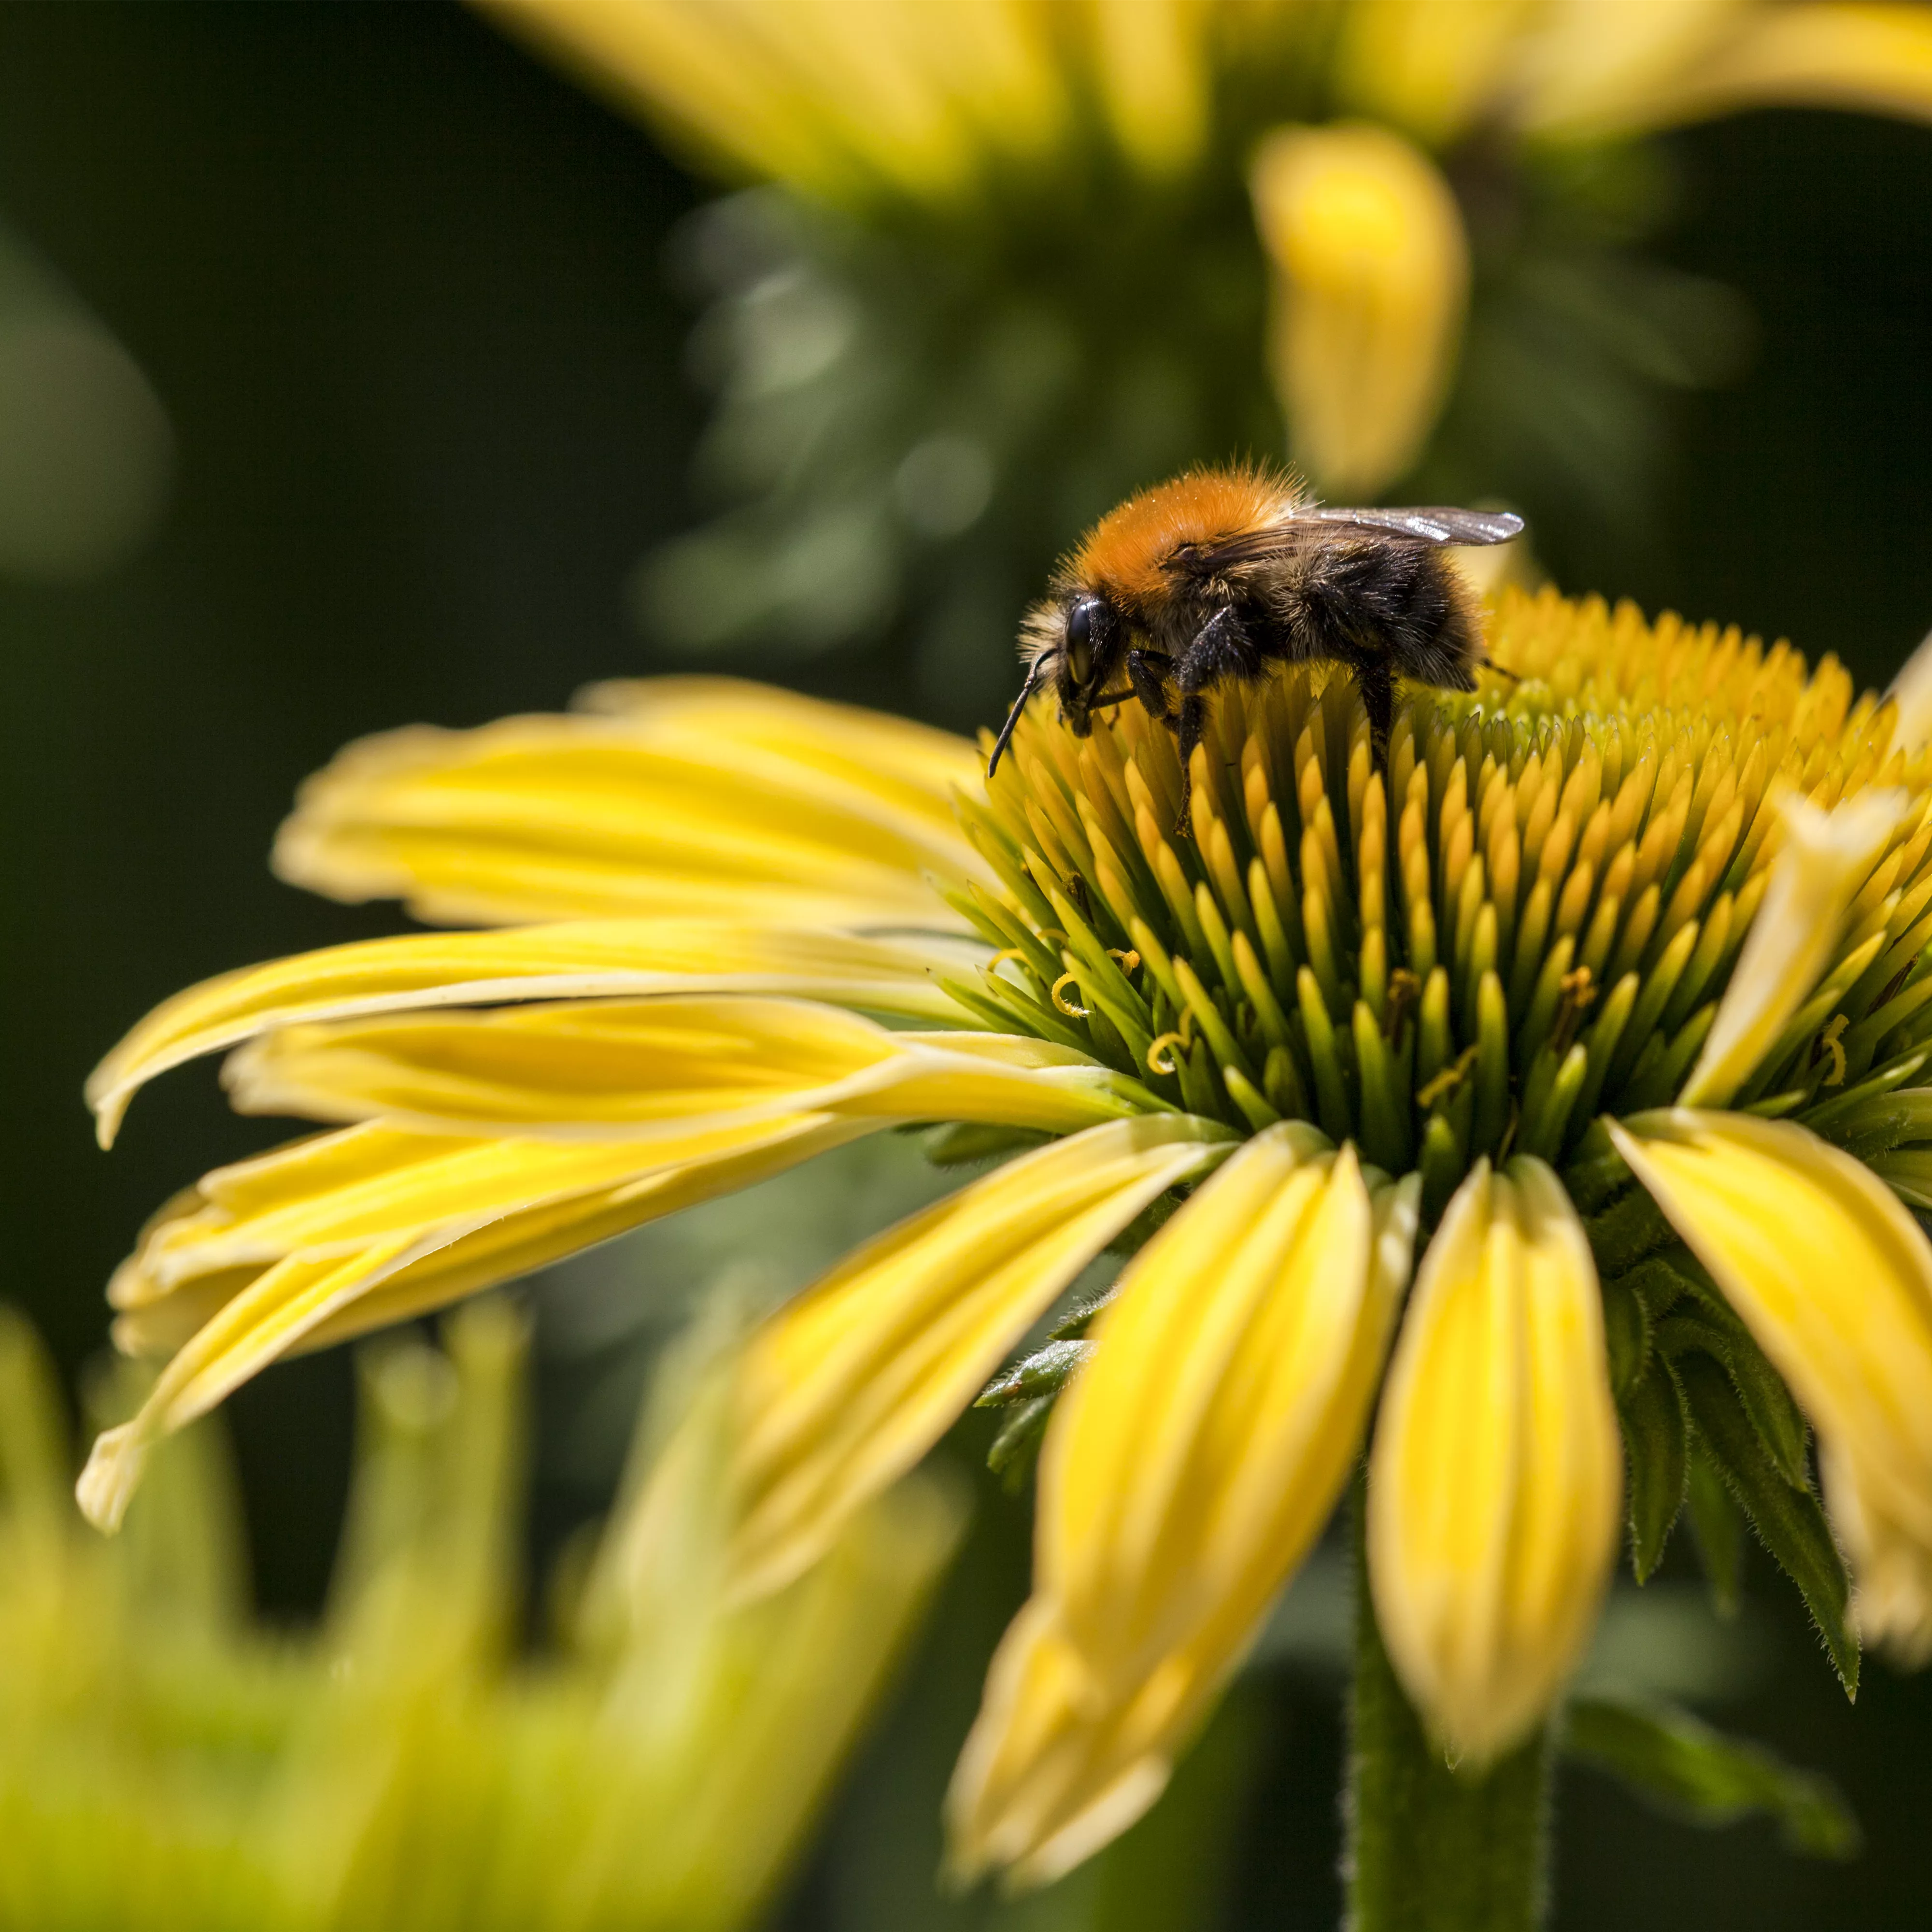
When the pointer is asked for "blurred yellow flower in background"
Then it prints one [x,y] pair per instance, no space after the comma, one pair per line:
[1611,993]
[1023,257]
[164,1763]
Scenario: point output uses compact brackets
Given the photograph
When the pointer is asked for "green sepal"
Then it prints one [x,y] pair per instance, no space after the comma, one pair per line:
[1630,1229]
[1682,1766]
[1709,1327]
[1656,1441]
[1081,1316]
[1790,1522]
[1046,1371]
[962,1142]
[1626,1334]
[1660,1283]
[1596,1174]
[1017,1446]
[1717,1527]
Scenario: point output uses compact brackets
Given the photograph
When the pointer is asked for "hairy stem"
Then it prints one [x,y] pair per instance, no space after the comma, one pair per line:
[1430,1849]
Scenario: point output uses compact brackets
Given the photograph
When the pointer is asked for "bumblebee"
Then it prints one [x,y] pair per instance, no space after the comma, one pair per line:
[1210,578]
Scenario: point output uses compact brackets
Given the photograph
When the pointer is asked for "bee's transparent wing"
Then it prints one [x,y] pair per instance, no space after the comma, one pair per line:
[1432,526]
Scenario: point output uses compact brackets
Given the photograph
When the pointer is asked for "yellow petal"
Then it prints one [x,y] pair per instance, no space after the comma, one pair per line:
[1831,1274]
[847,1386]
[1892,1603]
[1431,67]
[584,959]
[334,1194]
[685,798]
[1151,59]
[1371,281]
[1911,692]
[1876,59]
[1586,65]
[1195,1460]
[1495,1480]
[631,1070]
[351,1231]
[1192,1464]
[840,97]
[1827,855]
[1051,1771]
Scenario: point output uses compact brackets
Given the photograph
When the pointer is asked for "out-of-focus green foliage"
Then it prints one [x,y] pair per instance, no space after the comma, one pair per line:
[166,1763]
[913,418]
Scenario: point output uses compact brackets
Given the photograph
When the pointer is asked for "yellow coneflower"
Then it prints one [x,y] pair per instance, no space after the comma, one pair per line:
[407,1766]
[1607,997]
[865,102]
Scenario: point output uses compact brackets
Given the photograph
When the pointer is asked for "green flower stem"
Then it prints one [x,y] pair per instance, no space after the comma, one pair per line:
[1430,1849]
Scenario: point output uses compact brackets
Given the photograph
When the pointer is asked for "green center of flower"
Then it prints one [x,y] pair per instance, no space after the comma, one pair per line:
[1527,920]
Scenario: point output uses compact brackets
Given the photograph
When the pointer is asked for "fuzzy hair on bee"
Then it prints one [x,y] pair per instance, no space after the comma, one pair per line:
[1210,578]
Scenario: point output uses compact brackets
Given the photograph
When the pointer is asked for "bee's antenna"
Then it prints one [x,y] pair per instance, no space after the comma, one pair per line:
[1035,671]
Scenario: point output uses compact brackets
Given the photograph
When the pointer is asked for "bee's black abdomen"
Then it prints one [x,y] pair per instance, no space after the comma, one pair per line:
[1399,602]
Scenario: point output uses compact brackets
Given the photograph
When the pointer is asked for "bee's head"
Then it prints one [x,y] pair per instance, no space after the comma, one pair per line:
[1075,642]
[1090,642]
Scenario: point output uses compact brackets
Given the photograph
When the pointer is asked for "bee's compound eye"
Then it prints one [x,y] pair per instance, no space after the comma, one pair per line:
[1086,625]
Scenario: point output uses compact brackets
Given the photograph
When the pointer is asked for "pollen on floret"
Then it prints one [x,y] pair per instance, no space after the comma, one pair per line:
[1528,921]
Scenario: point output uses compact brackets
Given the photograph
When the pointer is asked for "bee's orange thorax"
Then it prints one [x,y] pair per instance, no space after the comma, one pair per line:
[1123,553]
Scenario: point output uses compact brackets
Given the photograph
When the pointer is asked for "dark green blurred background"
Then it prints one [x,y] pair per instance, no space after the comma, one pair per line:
[403,295]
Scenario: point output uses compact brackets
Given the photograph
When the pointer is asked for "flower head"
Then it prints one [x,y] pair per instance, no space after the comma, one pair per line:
[1603,1004]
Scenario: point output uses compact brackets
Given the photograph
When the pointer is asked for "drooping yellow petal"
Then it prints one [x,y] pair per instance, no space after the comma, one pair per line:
[1876,59]
[1892,1604]
[1150,58]
[847,1386]
[1831,1276]
[1827,855]
[1202,1450]
[841,97]
[1430,67]
[683,798]
[347,1232]
[332,1194]
[1052,1769]
[1497,1469]
[1586,65]
[1911,692]
[631,1070]
[583,960]
[1193,1461]
[1371,281]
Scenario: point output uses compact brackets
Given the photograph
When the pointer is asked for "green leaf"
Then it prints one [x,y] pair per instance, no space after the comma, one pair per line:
[1011,1457]
[1683,1766]
[1789,1522]
[1043,1373]
[1718,1525]
[1656,1440]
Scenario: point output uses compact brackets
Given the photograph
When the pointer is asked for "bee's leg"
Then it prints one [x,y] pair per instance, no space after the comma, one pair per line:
[1148,671]
[1187,735]
[1221,649]
[1378,689]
